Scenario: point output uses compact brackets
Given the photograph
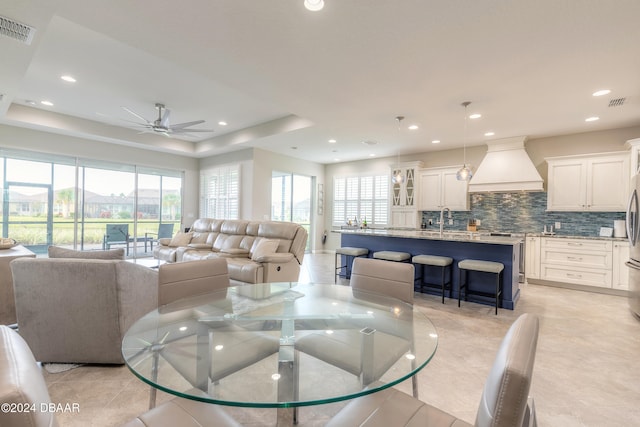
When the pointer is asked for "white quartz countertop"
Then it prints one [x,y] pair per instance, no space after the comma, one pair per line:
[453,236]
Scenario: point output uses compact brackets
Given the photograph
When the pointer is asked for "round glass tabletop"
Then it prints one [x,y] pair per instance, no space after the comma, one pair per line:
[279,345]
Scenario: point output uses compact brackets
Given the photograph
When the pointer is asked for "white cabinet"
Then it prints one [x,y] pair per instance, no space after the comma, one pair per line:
[620,276]
[440,188]
[634,144]
[404,196]
[532,257]
[577,261]
[588,183]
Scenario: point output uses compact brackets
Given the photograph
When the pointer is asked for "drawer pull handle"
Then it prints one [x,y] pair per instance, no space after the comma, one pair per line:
[574,244]
[574,258]
[577,276]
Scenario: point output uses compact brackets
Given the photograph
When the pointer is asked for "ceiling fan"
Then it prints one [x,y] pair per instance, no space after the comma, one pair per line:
[162,125]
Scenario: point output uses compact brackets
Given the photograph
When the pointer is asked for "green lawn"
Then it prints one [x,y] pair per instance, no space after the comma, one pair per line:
[33,230]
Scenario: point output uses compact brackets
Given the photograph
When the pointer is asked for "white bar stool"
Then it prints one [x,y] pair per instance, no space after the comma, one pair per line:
[445,263]
[467,265]
[348,252]
[392,256]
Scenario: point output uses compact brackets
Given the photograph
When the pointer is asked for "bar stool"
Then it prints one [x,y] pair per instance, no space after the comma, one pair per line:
[467,265]
[392,256]
[347,251]
[445,263]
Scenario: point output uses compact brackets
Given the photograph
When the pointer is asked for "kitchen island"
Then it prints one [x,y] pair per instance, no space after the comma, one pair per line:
[458,245]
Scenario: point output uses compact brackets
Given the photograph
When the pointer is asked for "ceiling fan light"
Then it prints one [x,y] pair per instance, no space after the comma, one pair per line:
[314,5]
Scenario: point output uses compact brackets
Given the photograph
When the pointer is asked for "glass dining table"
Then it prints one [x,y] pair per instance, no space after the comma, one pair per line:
[280,345]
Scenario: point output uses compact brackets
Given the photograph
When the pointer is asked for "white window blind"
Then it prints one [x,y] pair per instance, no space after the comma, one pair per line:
[361,197]
[220,193]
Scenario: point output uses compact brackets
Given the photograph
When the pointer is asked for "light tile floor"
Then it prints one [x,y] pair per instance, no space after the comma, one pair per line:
[587,370]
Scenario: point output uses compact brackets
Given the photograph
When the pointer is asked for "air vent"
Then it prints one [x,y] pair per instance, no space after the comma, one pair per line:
[616,102]
[16,30]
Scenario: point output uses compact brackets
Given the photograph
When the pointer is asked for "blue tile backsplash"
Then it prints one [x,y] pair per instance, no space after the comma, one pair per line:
[523,213]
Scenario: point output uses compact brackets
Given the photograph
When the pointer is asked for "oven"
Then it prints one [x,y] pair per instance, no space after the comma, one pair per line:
[521,236]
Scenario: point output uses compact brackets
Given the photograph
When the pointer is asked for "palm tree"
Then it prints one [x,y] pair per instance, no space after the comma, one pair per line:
[171,202]
[65,197]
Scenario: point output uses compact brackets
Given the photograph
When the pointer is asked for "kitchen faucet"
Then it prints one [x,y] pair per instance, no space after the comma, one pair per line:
[442,219]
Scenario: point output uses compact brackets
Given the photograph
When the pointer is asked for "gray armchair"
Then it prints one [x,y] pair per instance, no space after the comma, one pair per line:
[78,310]
[505,399]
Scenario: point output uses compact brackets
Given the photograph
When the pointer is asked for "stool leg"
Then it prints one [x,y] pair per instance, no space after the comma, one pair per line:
[460,279]
[450,280]
[443,267]
[498,291]
[335,265]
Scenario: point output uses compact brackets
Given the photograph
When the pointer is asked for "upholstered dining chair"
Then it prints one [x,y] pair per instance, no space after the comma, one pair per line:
[369,277]
[193,278]
[207,279]
[505,398]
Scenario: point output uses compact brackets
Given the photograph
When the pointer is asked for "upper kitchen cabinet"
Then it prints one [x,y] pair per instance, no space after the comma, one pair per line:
[597,183]
[634,145]
[404,195]
[439,188]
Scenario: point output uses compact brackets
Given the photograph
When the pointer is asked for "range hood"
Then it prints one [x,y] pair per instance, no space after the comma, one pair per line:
[506,167]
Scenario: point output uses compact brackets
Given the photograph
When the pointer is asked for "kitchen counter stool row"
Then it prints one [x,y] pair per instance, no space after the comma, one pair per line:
[424,262]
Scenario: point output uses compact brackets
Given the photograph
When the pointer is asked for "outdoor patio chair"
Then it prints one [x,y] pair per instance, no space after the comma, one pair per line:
[164,231]
[117,234]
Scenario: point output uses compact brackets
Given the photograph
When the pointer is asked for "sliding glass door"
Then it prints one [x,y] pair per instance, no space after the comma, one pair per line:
[55,200]
[291,199]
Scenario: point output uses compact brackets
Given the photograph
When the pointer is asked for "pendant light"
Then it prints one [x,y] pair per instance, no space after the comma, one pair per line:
[397,177]
[465,173]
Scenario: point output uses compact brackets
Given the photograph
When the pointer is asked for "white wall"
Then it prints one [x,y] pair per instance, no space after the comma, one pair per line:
[256,169]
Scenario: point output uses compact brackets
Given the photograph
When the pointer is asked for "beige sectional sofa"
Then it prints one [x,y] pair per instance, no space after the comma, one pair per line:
[256,251]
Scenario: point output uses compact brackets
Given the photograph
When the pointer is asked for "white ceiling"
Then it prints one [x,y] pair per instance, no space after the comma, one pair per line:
[288,80]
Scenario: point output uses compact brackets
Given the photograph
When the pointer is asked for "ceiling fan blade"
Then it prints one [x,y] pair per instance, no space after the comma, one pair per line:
[128,110]
[186,124]
[183,131]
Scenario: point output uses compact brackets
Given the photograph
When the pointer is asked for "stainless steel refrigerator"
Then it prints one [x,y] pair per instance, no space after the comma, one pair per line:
[633,234]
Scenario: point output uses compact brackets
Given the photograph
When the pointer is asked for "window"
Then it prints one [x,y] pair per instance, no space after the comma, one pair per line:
[220,193]
[361,197]
[67,201]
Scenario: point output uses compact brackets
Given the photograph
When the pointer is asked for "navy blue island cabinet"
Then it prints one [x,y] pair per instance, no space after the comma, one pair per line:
[457,245]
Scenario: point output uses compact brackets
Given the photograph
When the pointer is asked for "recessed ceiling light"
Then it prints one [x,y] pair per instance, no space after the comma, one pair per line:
[591,119]
[435,141]
[47,103]
[30,102]
[336,160]
[332,141]
[475,116]
[489,134]
[413,127]
[222,123]
[369,142]
[314,5]
[67,78]
[601,92]
[372,155]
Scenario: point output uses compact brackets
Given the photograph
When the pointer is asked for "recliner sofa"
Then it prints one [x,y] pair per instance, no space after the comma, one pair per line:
[256,251]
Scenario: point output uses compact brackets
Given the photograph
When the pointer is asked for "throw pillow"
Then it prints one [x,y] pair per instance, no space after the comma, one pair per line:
[264,247]
[180,239]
